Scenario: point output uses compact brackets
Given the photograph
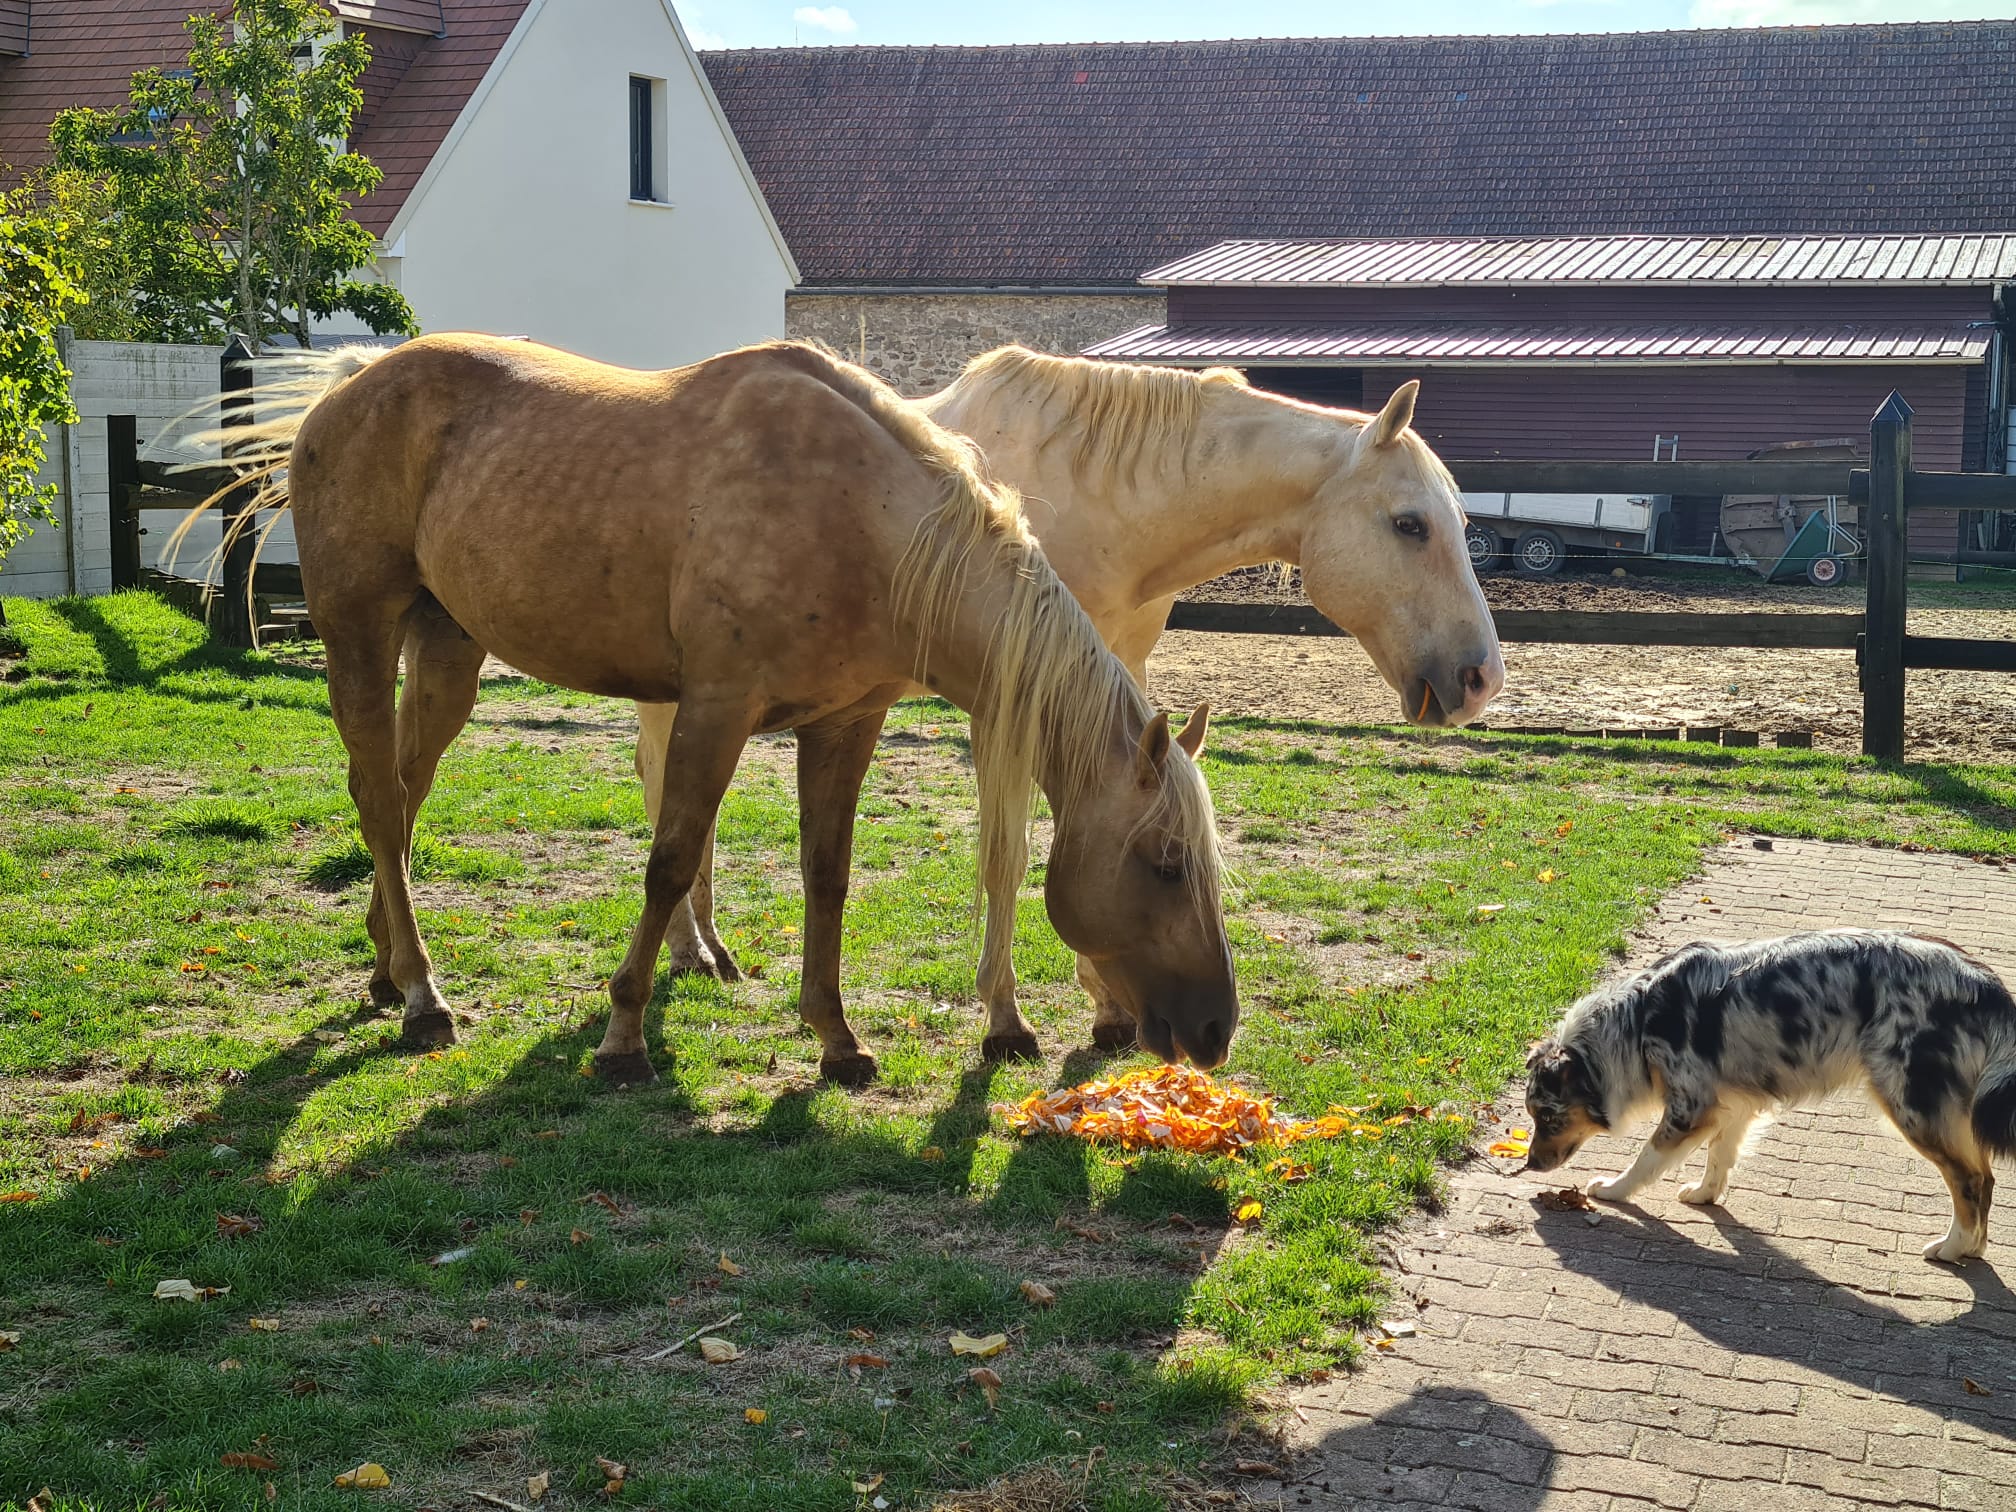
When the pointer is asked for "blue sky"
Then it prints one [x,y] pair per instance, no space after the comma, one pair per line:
[782,23]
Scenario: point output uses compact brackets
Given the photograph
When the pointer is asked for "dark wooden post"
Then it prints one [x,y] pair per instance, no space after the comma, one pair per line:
[1883,622]
[122,469]
[234,624]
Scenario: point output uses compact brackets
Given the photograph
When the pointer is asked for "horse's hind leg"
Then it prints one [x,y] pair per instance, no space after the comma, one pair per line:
[443,671]
[691,939]
[362,641]
[1009,1036]
[832,761]
[700,761]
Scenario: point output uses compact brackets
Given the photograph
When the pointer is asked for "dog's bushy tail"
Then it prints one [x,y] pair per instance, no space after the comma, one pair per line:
[1995,1096]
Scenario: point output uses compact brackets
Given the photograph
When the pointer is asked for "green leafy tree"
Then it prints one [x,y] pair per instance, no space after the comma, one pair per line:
[35,293]
[223,191]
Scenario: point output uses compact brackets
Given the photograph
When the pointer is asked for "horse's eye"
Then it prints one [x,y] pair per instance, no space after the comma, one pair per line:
[1170,871]
[1411,525]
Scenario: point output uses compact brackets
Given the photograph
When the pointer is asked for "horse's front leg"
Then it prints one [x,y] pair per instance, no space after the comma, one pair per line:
[832,762]
[1009,1036]
[700,760]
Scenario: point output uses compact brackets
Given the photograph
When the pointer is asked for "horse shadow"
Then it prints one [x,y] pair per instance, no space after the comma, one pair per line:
[1756,1300]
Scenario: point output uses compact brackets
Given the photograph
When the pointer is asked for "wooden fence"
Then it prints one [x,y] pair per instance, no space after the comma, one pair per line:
[1888,489]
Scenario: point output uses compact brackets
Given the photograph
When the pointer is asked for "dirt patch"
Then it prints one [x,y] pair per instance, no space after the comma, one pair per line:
[1953,716]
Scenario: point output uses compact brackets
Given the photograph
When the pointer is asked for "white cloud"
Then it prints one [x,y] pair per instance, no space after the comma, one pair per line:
[832,18]
[704,40]
[1834,12]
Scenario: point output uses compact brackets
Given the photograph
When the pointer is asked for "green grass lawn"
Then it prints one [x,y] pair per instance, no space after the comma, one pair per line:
[183,1044]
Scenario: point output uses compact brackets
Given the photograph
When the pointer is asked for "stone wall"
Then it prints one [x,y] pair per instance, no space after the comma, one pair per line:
[920,342]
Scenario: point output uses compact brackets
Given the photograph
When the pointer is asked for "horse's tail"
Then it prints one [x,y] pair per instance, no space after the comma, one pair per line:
[259,452]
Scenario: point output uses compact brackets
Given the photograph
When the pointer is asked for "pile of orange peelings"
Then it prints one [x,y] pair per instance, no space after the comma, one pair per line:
[1177,1108]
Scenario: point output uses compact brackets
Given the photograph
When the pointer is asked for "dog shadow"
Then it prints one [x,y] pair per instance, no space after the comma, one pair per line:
[1441,1446]
[1757,1300]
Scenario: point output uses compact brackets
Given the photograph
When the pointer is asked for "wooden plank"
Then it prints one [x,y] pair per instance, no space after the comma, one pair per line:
[122,473]
[1884,538]
[1825,632]
[149,497]
[280,580]
[1984,491]
[1492,476]
[1947,653]
[201,481]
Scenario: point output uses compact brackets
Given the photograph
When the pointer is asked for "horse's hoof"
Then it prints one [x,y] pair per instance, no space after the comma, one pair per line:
[713,963]
[724,965]
[1020,1045]
[1113,1038]
[856,1070]
[427,1031]
[632,1069]
[385,993]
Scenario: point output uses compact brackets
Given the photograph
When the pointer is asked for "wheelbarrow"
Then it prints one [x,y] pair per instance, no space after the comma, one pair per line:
[1818,550]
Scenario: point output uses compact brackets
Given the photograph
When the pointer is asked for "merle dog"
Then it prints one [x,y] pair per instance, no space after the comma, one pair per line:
[1719,1034]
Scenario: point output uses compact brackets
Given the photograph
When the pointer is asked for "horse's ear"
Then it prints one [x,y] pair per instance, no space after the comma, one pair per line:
[1396,416]
[1191,736]
[1154,752]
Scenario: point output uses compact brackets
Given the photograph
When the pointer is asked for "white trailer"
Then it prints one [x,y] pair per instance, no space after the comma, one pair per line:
[1538,533]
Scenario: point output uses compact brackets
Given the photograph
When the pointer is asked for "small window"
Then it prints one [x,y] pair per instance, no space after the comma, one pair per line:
[647,139]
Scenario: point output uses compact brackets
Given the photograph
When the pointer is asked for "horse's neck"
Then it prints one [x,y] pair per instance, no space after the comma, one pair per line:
[1124,541]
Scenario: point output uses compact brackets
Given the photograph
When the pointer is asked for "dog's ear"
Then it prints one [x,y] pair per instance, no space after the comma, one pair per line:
[1542,1050]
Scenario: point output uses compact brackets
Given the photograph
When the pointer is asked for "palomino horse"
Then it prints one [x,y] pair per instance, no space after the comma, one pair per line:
[773,540]
[1144,481]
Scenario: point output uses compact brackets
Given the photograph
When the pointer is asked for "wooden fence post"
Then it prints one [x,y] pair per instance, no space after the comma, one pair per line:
[1883,623]
[122,468]
[235,627]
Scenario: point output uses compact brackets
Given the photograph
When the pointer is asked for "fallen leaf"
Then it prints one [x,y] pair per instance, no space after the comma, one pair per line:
[478,1325]
[1975,1388]
[1036,1294]
[754,1415]
[610,1468]
[270,1491]
[185,1291]
[1247,1211]
[726,1266]
[245,1459]
[1547,874]
[988,1382]
[18,1196]
[985,1348]
[603,1199]
[862,1335]
[867,1362]
[528,1216]
[718,1351]
[931,1152]
[578,1236]
[1511,1148]
[535,1485]
[369,1476]
[1564,827]
[862,1488]
[1567,1200]
[1490,908]
[263,1325]
[229,1364]
[8,1339]
[1257,1467]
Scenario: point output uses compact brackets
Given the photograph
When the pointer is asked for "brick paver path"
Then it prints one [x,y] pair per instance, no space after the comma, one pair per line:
[1790,1350]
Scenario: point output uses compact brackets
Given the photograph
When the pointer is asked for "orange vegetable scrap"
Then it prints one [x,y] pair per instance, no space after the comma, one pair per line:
[1174,1108]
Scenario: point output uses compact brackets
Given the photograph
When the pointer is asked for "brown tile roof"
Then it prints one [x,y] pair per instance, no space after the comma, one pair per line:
[1084,164]
[429,17]
[1469,344]
[13,26]
[86,51]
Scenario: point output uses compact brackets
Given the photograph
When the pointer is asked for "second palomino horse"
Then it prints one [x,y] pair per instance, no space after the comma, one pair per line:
[1144,481]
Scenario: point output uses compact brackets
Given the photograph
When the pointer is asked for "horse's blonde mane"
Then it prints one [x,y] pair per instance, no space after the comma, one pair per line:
[1049,682]
[1121,412]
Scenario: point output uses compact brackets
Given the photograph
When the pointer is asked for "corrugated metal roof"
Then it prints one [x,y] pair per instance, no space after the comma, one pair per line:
[1474,345]
[1970,260]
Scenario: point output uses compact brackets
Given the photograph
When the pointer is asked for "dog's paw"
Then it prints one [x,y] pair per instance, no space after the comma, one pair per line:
[1952,1249]
[1608,1189]
[1700,1194]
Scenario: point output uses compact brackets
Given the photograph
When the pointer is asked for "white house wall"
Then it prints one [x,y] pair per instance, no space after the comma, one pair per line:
[523,225]
[157,384]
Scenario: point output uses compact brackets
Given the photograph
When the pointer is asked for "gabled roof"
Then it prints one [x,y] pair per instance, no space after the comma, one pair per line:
[1441,262]
[85,52]
[1086,164]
